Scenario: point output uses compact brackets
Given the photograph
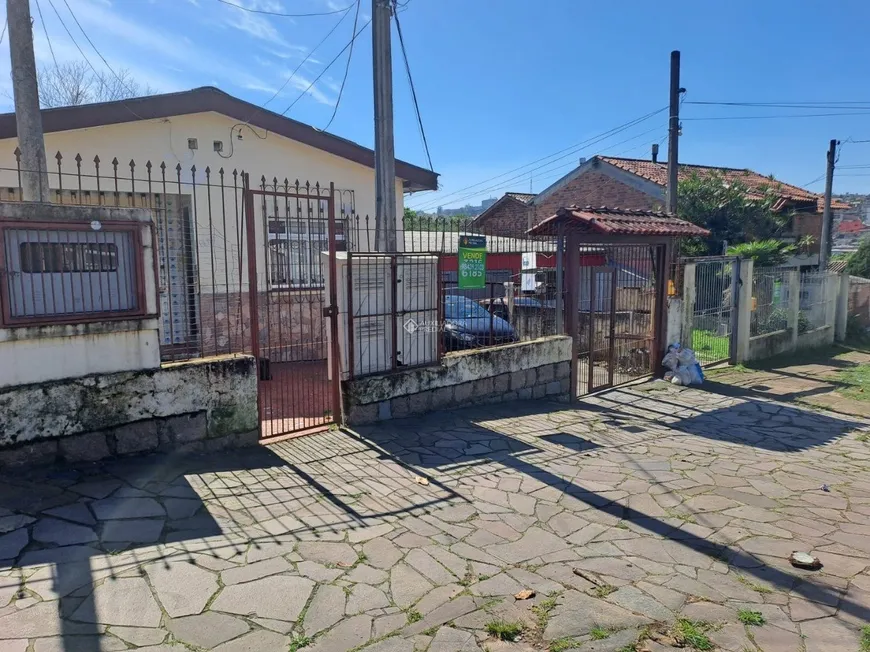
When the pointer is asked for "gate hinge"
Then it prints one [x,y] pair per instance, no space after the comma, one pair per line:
[329,311]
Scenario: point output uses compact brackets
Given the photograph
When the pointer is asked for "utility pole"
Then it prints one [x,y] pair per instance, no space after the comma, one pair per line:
[827,221]
[28,119]
[674,132]
[385,154]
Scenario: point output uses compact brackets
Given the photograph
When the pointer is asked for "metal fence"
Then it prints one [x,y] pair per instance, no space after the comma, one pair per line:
[770,301]
[517,300]
[816,300]
[713,310]
[391,311]
[201,243]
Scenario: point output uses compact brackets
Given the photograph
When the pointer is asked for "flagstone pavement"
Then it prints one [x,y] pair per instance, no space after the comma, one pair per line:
[623,514]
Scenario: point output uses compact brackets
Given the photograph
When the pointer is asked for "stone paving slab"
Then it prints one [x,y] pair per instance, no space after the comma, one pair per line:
[638,507]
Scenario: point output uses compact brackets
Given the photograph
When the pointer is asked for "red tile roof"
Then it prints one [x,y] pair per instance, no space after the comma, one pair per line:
[613,221]
[850,226]
[755,182]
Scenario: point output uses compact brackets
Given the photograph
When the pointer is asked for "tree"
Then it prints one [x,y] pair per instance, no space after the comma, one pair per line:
[74,83]
[859,260]
[765,253]
[729,211]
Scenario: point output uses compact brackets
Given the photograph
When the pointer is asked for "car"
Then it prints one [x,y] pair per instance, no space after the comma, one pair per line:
[468,325]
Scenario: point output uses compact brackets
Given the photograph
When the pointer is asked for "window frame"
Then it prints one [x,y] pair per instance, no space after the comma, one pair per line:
[7,319]
[301,238]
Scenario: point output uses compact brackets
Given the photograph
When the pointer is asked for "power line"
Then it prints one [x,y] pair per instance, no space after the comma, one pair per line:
[328,66]
[45,30]
[5,25]
[84,56]
[281,14]
[302,63]
[791,105]
[571,150]
[347,67]
[555,171]
[772,117]
[411,83]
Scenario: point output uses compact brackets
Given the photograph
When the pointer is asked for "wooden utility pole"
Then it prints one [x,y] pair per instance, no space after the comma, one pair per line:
[674,132]
[385,154]
[28,119]
[827,221]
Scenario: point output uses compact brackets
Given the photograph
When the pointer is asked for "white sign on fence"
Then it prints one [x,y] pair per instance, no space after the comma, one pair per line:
[529,261]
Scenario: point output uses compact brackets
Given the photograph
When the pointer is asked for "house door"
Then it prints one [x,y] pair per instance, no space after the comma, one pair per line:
[292,299]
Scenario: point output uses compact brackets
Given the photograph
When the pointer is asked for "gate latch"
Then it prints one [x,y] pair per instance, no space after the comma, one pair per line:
[330,311]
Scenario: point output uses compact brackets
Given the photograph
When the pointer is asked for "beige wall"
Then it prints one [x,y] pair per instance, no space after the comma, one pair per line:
[165,140]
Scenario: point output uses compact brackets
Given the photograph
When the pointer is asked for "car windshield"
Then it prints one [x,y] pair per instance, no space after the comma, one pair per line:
[462,308]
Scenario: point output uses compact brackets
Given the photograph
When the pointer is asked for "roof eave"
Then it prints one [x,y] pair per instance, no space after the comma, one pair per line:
[209,99]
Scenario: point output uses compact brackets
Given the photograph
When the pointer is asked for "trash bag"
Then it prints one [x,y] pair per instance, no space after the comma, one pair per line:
[683,364]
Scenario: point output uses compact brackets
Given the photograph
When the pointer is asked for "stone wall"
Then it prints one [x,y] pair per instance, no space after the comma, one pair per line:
[203,404]
[526,370]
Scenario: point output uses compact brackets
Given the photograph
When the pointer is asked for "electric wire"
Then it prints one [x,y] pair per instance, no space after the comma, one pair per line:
[556,156]
[84,56]
[268,12]
[45,31]
[328,66]
[411,84]
[346,67]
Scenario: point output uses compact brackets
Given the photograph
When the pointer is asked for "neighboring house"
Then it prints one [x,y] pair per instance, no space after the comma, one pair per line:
[641,184]
[509,215]
[178,154]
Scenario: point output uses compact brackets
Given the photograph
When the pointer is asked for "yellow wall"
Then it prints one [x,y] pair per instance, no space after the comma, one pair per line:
[165,140]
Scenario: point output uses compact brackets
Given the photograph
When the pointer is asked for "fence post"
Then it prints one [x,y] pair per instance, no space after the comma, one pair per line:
[735,310]
[842,317]
[794,306]
[688,304]
[744,309]
[509,300]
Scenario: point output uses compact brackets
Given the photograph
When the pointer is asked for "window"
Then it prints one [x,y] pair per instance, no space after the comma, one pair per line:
[57,257]
[294,252]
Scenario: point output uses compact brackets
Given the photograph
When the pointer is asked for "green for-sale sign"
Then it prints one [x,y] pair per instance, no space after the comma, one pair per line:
[472,262]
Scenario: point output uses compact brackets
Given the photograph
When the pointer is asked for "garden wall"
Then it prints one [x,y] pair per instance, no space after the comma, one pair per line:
[526,370]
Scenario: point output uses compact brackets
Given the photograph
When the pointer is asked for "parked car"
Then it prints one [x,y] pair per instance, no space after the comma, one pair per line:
[468,325]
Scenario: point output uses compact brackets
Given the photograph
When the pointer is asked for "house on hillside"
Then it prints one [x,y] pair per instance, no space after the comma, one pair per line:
[641,184]
[182,155]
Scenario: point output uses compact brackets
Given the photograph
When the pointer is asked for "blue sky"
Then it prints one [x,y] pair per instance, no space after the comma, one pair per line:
[503,83]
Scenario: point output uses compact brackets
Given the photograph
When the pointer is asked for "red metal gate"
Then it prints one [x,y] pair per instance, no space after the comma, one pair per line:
[292,296]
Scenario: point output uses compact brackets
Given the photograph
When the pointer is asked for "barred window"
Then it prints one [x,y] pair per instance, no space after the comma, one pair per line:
[294,252]
[57,257]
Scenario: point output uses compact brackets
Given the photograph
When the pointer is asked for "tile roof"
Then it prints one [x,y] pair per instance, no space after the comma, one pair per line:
[521,196]
[755,182]
[851,226]
[838,266]
[614,221]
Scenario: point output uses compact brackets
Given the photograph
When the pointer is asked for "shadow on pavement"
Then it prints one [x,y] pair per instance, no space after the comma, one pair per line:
[475,433]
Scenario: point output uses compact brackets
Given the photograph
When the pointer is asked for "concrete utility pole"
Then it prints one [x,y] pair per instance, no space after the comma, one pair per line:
[28,119]
[674,131]
[385,154]
[827,220]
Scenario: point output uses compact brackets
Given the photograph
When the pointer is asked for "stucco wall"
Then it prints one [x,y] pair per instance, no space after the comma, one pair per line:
[32,354]
[202,404]
[536,369]
[165,140]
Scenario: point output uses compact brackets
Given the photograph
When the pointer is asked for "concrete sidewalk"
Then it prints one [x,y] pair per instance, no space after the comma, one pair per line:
[640,507]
